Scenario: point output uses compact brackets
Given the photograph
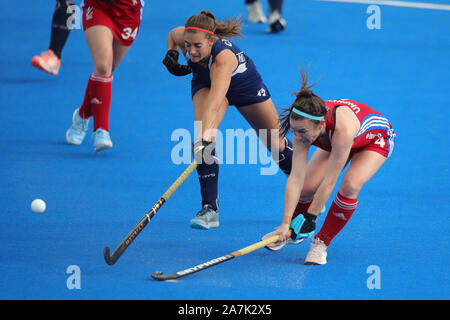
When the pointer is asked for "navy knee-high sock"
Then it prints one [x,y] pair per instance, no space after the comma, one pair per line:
[60,31]
[208,175]
[276,5]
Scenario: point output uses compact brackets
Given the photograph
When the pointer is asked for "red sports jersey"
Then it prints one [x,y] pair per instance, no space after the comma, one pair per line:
[122,17]
[375,134]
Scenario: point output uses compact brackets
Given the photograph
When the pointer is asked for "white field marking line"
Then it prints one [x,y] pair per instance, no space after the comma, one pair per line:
[407,4]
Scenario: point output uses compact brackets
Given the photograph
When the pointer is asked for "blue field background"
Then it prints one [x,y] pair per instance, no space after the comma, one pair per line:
[94,199]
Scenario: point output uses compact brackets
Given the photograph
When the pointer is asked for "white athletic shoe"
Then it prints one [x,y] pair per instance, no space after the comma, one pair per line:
[275,246]
[102,140]
[317,255]
[255,13]
[276,22]
[206,218]
[75,134]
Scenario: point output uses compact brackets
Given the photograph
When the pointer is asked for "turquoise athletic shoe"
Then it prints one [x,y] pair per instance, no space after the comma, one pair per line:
[76,133]
[102,140]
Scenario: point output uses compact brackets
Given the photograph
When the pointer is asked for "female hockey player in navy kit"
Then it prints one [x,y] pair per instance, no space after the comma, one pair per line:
[222,75]
[345,131]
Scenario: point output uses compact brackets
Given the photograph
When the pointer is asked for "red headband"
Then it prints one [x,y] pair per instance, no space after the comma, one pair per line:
[199,29]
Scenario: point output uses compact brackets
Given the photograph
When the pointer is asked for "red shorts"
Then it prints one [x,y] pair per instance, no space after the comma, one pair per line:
[122,17]
[380,140]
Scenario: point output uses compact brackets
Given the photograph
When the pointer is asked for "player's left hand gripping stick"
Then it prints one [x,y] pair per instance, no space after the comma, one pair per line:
[303,226]
[146,219]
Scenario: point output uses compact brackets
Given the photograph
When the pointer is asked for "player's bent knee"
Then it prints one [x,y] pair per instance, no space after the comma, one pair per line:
[350,188]
[103,69]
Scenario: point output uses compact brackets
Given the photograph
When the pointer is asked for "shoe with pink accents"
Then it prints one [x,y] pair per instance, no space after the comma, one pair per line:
[47,61]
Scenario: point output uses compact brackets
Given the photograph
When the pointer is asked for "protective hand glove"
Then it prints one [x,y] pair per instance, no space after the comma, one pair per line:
[303,226]
[172,65]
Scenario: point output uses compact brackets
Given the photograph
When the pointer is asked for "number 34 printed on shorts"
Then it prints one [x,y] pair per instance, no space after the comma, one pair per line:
[129,33]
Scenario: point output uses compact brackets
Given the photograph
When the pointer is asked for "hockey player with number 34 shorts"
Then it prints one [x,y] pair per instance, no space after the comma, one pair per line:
[345,132]
[110,27]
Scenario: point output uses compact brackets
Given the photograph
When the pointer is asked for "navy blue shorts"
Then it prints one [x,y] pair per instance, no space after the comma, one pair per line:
[241,97]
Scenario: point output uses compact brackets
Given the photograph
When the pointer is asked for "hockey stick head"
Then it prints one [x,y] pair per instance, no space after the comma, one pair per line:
[158,275]
[109,260]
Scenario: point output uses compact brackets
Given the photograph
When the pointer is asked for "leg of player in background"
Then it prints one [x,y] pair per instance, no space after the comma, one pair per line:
[263,117]
[255,11]
[276,21]
[107,53]
[50,60]
[97,99]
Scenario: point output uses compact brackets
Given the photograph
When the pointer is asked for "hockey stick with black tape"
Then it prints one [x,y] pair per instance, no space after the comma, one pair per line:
[112,259]
[158,275]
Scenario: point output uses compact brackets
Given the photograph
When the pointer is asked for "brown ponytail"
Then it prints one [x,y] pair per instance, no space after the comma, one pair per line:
[305,101]
[228,28]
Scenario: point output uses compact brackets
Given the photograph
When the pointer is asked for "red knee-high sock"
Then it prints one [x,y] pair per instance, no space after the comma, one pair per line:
[100,100]
[85,110]
[340,212]
[302,207]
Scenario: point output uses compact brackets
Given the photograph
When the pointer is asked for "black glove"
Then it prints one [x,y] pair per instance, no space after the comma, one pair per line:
[204,151]
[171,63]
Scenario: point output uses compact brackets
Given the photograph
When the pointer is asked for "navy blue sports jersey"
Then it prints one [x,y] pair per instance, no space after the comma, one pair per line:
[246,86]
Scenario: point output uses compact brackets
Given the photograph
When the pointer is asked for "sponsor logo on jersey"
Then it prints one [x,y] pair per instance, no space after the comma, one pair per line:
[352,105]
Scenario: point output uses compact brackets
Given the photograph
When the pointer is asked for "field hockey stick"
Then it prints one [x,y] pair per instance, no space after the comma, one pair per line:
[146,219]
[158,275]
